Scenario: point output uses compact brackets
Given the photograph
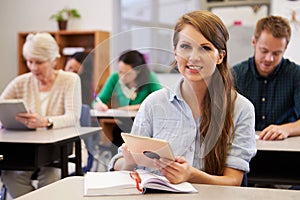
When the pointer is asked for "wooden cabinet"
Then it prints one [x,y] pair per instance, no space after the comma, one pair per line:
[95,42]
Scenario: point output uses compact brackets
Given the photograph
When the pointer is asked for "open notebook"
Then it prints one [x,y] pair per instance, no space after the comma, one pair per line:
[9,108]
[129,183]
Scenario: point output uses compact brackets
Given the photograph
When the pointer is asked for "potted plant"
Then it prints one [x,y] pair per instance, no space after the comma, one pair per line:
[63,15]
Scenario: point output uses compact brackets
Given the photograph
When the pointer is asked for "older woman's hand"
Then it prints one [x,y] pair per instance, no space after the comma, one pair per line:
[32,120]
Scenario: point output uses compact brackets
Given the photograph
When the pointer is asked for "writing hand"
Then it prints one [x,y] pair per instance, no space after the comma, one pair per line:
[100,106]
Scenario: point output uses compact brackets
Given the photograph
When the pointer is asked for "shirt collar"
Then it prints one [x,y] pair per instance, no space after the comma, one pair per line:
[175,93]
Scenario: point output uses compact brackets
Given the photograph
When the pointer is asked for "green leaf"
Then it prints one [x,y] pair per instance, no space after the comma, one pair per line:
[65,14]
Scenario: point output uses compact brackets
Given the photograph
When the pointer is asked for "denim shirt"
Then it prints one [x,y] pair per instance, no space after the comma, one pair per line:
[164,114]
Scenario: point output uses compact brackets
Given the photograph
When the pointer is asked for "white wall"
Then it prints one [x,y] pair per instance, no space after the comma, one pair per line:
[239,44]
[284,8]
[32,15]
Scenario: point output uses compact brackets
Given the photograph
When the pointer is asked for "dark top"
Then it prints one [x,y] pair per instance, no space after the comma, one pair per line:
[276,98]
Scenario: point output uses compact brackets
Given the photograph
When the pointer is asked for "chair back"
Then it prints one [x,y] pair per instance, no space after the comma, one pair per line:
[85,117]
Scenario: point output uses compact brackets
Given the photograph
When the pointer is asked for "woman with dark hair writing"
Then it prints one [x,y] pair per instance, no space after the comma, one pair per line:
[127,88]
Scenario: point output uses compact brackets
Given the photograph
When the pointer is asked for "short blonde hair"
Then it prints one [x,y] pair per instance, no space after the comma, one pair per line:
[41,46]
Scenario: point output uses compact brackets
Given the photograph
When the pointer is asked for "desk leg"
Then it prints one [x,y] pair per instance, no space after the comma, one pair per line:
[64,161]
[78,158]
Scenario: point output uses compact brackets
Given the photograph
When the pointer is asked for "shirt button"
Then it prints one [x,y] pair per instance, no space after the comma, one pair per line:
[263,99]
[265,81]
[191,149]
[263,117]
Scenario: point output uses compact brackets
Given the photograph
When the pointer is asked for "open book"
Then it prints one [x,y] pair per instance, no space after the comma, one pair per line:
[128,183]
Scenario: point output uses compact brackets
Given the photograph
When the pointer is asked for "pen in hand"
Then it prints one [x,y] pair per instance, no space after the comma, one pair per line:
[98,99]
[99,105]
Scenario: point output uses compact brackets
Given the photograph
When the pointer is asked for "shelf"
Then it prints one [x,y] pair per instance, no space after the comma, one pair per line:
[89,40]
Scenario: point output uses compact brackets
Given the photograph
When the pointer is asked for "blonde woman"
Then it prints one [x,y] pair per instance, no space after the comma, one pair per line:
[53,98]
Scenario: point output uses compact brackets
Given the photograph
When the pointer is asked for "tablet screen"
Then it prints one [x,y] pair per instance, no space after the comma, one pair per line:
[9,109]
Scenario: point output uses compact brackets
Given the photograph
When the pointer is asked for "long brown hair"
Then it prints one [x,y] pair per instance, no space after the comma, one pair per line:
[216,127]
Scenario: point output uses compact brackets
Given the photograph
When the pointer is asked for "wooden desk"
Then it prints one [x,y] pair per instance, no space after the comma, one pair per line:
[276,162]
[72,188]
[29,150]
[109,119]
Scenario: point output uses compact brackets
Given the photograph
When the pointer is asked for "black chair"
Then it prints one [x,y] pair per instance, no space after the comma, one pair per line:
[90,141]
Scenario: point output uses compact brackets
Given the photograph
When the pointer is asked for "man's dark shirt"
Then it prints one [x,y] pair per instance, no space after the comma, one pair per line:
[276,98]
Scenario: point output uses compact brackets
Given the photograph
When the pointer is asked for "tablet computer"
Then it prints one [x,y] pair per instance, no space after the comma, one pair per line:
[144,149]
[9,108]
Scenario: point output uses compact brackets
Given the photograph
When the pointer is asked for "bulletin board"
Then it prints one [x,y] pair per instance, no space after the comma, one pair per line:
[240,22]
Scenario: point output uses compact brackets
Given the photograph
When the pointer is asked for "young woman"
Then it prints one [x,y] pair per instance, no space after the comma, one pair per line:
[127,89]
[130,85]
[209,126]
